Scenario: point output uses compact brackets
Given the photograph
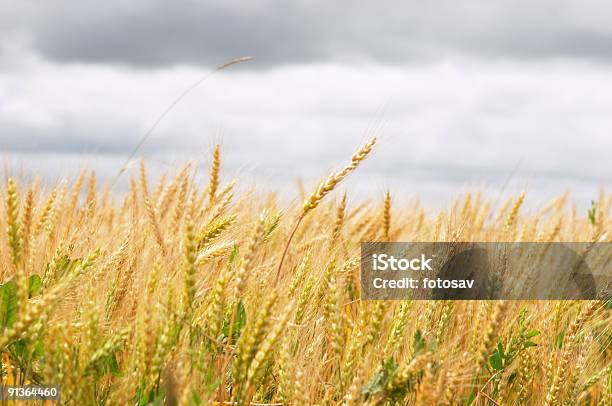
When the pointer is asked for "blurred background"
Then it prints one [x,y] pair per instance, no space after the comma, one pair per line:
[499,96]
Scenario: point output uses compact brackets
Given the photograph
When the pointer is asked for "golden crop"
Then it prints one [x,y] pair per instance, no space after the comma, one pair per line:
[174,294]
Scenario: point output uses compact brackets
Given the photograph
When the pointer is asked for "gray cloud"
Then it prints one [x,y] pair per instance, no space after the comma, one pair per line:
[553,117]
[162,33]
[16,136]
[120,138]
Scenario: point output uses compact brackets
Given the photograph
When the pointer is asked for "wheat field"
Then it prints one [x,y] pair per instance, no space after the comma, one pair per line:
[189,294]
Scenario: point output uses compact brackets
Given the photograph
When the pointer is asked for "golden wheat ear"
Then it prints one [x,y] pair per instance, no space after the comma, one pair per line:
[334,178]
[213,183]
[387,216]
[326,186]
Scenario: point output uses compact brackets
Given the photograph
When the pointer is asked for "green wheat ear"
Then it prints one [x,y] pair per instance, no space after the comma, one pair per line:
[592,212]
[13,223]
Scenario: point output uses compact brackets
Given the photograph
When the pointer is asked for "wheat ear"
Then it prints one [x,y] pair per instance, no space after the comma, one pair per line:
[326,186]
[387,215]
[12,221]
[213,184]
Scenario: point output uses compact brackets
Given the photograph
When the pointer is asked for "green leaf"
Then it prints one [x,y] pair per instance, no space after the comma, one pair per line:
[528,344]
[470,399]
[239,323]
[194,398]
[146,398]
[241,318]
[559,339]
[8,304]
[112,366]
[34,285]
[380,379]
[496,361]
[532,333]
[351,291]
[419,342]
[39,349]
[211,387]
[107,365]
[500,350]
[19,349]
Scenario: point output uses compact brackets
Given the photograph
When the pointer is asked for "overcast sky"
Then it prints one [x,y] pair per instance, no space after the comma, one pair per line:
[461,93]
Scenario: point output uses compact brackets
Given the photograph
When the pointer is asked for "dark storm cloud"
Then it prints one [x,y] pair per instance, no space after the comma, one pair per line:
[161,33]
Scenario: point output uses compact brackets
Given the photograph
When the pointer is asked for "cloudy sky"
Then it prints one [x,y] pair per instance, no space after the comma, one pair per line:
[461,94]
